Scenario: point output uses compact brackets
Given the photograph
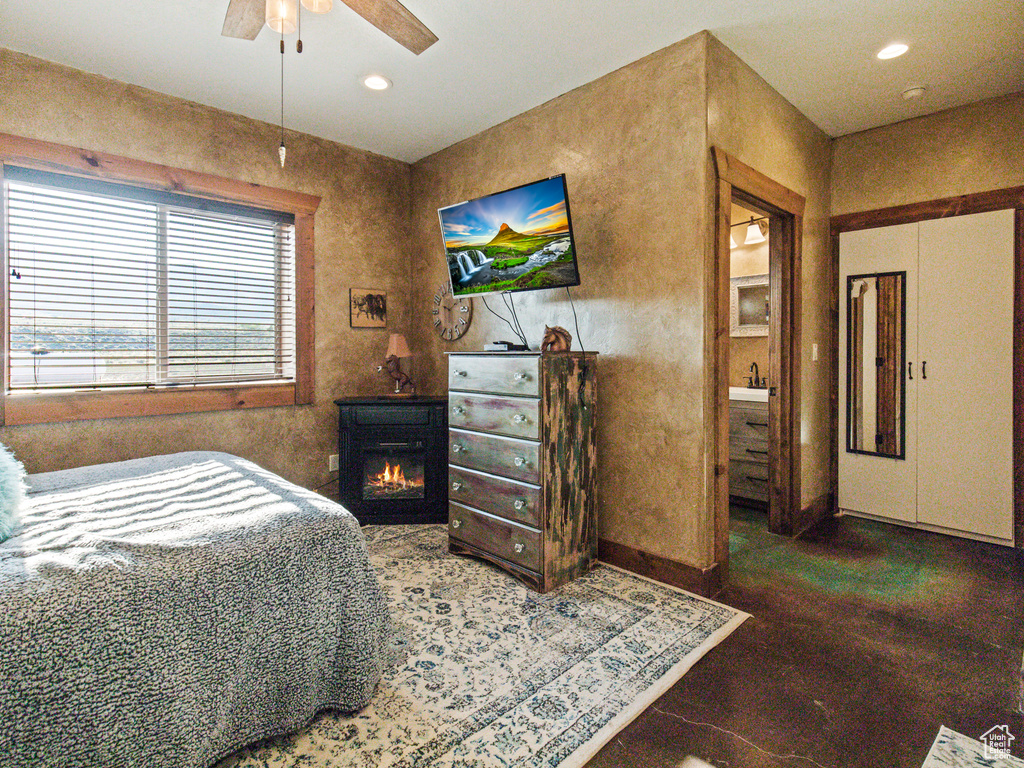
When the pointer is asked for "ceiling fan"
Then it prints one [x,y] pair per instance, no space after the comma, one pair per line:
[245,19]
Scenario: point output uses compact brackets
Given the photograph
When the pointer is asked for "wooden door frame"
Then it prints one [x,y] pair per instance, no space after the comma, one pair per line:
[980,202]
[785,236]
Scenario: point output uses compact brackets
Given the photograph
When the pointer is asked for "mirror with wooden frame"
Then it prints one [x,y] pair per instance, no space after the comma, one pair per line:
[876,357]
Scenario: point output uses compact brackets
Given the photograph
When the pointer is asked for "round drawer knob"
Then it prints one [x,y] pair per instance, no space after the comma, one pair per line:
[456,523]
[519,503]
[519,461]
[456,448]
[458,373]
[518,548]
[458,410]
[521,376]
[518,418]
[456,485]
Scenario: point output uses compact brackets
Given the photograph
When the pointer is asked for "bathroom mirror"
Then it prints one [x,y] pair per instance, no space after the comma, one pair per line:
[748,305]
[876,359]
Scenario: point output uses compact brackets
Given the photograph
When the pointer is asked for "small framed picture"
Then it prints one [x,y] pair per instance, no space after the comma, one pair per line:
[368,307]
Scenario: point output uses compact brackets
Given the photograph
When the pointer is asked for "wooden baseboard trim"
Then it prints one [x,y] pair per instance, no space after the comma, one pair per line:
[705,582]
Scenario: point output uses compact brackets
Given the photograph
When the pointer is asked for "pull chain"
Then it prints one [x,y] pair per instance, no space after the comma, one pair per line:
[281,151]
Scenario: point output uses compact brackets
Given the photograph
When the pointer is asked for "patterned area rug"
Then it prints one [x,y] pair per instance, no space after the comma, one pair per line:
[496,675]
[954,750]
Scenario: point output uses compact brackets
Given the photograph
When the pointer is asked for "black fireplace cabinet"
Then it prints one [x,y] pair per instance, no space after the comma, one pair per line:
[393,459]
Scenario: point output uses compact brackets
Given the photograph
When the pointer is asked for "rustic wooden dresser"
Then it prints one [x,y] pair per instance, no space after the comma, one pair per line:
[521,462]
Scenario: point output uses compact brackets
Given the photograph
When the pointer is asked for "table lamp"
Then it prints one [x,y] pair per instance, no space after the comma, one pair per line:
[397,349]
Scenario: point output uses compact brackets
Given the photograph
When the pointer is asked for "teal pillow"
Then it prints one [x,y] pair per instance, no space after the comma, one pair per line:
[12,491]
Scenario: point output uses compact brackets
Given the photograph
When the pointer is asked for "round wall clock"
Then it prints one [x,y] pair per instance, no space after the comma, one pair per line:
[452,315]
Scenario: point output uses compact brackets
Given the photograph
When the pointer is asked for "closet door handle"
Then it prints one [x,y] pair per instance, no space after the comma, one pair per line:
[924,369]
[910,371]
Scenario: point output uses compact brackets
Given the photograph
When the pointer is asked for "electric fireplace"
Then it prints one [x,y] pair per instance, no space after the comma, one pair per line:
[392,459]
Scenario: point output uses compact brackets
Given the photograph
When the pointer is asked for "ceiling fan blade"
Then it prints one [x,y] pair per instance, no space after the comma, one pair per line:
[394,20]
[244,19]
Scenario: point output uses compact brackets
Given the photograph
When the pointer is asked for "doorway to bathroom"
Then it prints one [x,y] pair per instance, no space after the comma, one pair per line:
[759,196]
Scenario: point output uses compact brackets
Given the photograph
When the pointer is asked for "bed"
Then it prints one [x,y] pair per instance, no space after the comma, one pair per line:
[169,610]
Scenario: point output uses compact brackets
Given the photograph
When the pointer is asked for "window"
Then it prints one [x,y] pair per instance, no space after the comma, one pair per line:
[118,286]
[129,288]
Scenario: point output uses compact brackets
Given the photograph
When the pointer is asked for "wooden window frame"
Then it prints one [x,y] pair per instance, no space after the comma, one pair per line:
[20,408]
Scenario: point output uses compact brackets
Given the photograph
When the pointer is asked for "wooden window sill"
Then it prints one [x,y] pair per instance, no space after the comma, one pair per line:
[44,407]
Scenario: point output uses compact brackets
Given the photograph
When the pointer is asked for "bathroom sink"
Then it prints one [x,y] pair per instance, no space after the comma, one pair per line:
[749,394]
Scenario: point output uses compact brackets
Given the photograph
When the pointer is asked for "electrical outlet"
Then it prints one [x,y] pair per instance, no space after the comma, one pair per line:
[332,463]
[814,352]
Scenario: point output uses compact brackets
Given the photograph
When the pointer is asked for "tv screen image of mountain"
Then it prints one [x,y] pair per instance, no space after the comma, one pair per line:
[516,240]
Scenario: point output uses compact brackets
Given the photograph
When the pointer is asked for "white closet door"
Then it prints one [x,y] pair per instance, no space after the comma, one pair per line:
[965,405]
[875,485]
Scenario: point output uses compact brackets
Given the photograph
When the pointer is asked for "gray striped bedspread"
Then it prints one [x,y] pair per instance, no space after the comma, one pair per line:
[166,611]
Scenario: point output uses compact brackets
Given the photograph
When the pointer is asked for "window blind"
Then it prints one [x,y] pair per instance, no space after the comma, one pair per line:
[113,286]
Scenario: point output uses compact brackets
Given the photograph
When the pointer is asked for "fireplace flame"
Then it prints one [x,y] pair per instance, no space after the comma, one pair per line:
[392,477]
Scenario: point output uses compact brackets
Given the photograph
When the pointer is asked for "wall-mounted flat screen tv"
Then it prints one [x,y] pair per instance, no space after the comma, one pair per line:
[516,240]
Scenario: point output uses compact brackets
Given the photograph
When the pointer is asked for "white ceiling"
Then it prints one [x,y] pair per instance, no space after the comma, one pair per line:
[498,58]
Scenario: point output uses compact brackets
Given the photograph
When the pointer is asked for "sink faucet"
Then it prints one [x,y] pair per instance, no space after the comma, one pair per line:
[756,382]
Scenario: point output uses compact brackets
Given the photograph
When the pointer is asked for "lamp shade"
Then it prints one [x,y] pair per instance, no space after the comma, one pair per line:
[397,346]
[732,241]
[317,6]
[754,234]
[282,15]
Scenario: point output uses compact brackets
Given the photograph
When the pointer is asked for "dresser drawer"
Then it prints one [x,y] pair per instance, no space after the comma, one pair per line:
[512,375]
[746,422]
[505,456]
[497,495]
[748,479]
[503,538]
[753,449]
[512,416]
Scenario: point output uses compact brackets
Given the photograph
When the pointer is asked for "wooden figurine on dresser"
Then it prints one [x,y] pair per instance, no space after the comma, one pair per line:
[521,462]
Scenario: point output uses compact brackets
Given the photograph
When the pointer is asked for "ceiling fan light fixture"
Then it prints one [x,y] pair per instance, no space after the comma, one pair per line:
[282,16]
[318,6]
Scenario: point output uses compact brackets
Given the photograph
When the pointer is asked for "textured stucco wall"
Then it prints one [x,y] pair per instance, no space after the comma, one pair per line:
[361,241]
[632,145]
[749,119]
[974,148]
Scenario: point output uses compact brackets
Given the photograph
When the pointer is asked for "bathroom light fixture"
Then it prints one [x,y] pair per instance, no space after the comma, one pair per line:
[318,6]
[755,232]
[376,82]
[892,51]
[914,93]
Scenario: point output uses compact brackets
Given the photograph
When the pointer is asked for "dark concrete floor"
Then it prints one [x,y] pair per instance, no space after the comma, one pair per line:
[864,639]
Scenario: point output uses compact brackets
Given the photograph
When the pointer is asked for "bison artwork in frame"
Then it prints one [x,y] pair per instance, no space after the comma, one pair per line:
[368,307]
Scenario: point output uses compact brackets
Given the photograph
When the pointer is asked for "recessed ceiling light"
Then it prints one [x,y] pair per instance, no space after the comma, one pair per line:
[376,82]
[914,93]
[892,51]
